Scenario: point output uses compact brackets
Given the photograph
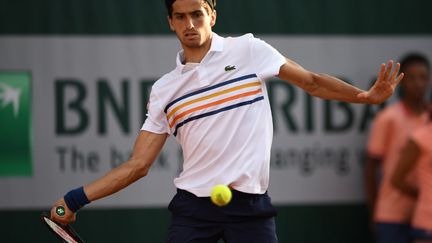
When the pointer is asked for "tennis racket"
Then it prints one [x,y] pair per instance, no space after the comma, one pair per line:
[64,232]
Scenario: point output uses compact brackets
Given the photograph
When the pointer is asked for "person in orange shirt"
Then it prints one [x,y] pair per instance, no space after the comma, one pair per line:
[391,209]
[417,156]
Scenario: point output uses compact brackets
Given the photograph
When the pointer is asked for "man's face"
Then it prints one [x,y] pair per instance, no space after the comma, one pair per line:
[415,81]
[191,22]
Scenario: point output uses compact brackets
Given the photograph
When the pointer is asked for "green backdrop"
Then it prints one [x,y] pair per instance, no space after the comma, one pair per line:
[114,17]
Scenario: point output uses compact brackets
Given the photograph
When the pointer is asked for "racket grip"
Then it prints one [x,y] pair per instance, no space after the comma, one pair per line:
[60,211]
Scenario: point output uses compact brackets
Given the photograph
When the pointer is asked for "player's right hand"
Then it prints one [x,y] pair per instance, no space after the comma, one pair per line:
[68,216]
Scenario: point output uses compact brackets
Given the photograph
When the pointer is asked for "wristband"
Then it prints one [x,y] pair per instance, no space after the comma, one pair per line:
[76,199]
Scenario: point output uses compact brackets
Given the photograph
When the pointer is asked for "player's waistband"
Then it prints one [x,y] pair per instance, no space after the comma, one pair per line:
[187,207]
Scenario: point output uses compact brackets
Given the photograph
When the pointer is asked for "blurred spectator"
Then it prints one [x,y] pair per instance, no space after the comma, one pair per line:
[391,210]
[417,156]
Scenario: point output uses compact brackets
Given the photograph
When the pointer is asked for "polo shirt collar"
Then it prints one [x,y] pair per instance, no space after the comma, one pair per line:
[216,46]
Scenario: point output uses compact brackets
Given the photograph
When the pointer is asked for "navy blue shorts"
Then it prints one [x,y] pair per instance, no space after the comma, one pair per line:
[421,234]
[393,233]
[247,218]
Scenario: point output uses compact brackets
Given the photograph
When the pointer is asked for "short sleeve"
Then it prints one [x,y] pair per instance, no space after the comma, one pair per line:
[266,59]
[156,120]
[379,136]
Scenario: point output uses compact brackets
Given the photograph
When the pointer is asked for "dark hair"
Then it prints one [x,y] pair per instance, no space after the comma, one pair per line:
[169,3]
[412,58]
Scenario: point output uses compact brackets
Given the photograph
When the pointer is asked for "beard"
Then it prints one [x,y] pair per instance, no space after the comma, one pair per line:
[192,43]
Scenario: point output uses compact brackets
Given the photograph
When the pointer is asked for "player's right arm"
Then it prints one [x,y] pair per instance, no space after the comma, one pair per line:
[146,149]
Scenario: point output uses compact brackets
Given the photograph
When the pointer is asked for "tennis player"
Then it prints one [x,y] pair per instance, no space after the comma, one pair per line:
[216,106]
[391,209]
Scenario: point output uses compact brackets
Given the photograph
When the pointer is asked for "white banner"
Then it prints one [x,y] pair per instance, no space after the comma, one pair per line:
[87,107]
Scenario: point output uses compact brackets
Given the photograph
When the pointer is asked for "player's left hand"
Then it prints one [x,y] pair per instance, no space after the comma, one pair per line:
[385,84]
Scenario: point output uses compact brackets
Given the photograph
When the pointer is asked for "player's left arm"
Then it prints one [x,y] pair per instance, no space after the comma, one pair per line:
[328,87]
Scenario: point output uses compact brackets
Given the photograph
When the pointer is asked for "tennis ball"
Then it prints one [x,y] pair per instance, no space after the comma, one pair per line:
[221,195]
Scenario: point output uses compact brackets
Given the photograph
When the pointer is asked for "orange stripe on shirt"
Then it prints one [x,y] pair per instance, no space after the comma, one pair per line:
[218,102]
[212,96]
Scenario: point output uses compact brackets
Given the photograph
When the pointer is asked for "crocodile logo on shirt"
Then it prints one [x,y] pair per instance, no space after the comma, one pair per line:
[229,68]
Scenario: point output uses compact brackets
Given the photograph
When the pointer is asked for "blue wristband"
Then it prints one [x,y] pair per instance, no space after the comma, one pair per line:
[76,199]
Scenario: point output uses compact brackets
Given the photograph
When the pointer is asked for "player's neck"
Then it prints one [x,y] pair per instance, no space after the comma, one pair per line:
[196,54]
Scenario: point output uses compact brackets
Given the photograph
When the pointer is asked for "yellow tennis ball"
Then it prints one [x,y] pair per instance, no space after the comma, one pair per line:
[221,195]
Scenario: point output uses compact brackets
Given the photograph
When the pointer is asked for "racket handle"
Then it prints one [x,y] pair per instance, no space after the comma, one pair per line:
[60,211]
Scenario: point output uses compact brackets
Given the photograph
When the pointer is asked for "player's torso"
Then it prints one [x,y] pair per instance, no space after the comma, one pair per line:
[219,112]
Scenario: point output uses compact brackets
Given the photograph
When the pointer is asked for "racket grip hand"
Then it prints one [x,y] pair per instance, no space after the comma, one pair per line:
[61,213]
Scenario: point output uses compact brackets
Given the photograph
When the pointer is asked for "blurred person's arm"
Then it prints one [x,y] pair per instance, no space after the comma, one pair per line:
[407,161]
[377,147]
[372,166]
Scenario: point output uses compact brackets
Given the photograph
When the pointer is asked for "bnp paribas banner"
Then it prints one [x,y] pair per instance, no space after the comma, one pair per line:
[71,107]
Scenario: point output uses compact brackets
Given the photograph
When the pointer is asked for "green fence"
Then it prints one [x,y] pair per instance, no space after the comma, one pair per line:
[111,17]
[345,223]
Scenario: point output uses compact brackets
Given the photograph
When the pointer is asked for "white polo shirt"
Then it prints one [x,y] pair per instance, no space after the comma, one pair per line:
[219,111]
